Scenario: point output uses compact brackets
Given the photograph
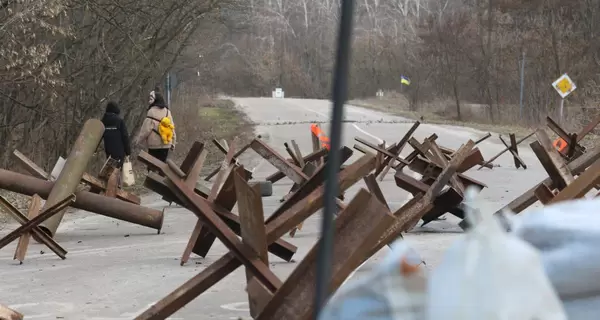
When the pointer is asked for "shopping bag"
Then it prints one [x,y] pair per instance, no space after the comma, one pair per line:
[491,274]
[127,175]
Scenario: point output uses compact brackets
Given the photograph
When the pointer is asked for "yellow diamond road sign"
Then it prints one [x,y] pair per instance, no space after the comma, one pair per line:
[564,85]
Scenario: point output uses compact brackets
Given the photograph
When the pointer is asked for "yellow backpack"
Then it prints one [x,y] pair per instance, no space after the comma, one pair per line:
[165,128]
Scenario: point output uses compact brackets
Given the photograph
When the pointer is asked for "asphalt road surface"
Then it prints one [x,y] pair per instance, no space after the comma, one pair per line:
[115,270]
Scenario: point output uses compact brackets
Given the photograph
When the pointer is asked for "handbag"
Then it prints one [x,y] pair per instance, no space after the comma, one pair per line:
[127,175]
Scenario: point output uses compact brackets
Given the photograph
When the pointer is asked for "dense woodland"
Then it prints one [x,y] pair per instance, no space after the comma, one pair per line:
[62,59]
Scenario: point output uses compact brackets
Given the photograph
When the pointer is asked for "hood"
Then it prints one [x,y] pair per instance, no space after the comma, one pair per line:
[112,107]
[110,119]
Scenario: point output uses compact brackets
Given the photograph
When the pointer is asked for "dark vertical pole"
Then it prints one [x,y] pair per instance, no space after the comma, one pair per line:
[339,96]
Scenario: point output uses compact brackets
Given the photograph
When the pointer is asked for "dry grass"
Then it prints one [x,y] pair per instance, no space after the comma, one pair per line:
[474,116]
[196,119]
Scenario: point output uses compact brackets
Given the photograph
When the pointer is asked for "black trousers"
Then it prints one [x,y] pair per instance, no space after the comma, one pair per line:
[160,154]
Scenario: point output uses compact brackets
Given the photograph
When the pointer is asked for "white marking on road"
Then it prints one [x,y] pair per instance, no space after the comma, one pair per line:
[315,111]
[56,307]
[368,134]
[237,306]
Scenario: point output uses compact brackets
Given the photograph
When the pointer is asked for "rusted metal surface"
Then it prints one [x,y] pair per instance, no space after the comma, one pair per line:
[275,229]
[309,186]
[421,166]
[580,186]
[298,154]
[512,148]
[224,150]
[578,149]
[357,229]
[556,159]
[448,201]
[374,188]
[280,248]
[482,139]
[207,238]
[544,158]
[35,206]
[253,232]
[320,153]
[41,217]
[291,171]
[408,216]
[381,150]
[39,234]
[398,150]
[88,201]
[291,153]
[82,151]
[503,151]
[202,209]
[97,185]
[543,193]
[576,167]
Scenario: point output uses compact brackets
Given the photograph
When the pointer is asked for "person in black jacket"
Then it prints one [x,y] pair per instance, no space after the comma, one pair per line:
[116,137]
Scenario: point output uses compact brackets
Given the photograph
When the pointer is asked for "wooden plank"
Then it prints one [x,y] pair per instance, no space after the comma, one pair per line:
[357,229]
[555,157]
[34,209]
[40,235]
[398,150]
[253,232]
[291,171]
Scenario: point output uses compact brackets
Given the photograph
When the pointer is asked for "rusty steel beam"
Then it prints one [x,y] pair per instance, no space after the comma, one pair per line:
[310,157]
[290,170]
[275,229]
[528,198]
[82,151]
[110,207]
[357,230]
[503,151]
[37,232]
[43,216]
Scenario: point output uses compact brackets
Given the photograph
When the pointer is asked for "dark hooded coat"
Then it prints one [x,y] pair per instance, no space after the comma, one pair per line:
[116,137]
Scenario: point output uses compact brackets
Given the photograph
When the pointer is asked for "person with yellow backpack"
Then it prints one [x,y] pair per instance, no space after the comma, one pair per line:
[158,130]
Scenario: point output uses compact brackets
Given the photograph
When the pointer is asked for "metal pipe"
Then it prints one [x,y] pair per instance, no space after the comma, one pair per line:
[71,174]
[339,96]
[110,207]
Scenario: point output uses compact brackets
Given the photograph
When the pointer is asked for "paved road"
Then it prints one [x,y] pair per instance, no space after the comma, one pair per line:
[114,270]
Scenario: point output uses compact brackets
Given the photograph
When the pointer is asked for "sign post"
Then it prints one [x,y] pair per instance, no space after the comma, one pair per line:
[564,86]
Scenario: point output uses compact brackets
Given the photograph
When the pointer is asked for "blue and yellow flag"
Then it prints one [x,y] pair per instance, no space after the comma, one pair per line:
[405,80]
